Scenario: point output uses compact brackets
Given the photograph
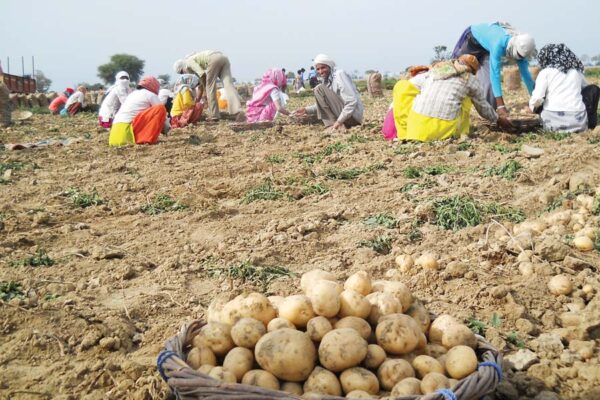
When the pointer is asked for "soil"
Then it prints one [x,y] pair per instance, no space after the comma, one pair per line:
[91,325]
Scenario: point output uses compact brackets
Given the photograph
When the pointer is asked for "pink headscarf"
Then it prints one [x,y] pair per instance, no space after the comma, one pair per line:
[272,79]
[150,83]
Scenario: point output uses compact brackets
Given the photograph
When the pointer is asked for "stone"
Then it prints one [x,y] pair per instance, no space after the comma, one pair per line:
[552,250]
[525,326]
[506,391]
[493,336]
[581,179]
[522,359]
[499,292]
[544,373]
[589,372]
[548,345]
[456,269]
[585,349]
[531,151]
[570,319]
[546,395]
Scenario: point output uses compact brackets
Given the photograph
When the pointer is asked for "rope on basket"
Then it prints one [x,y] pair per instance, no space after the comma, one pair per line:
[448,394]
[162,358]
[493,365]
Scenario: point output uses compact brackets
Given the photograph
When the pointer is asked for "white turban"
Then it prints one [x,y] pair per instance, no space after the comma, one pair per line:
[324,59]
[180,66]
[521,46]
[120,75]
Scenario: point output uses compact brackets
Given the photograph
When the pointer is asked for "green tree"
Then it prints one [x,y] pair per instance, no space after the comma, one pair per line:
[441,53]
[121,62]
[369,72]
[95,86]
[165,77]
[42,83]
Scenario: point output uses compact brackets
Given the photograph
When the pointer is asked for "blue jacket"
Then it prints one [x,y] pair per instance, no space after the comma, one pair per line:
[494,39]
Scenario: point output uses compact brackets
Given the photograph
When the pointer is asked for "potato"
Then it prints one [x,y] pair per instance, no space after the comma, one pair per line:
[317,327]
[398,289]
[252,305]
[375,356]
[359,379]
[407,387]
[292,387]
[382,304]
[359,282]
[358,324]
[405,262]
[560,284]
[247,331]
[391,372]
[217,337]
[426,364]
[279,323]
[297,309]
[398,334]
[588,231]
[359,394]
[421,344]
[206,368]
[354,304]
[238,361]
[428,261]
[275,301]
[221,374]
[434,381]
[438,326]
[460,361]
[309,278]
[324,382]
[583,243]
[325,299]
[313,396]
[200,356]
[420,314]
[286,353]
[435,350]
[341,349]
[453,383]
[458,334]
[213,313]
[260,378]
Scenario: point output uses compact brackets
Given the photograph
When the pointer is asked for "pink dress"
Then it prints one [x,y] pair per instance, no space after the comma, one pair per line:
[262,107]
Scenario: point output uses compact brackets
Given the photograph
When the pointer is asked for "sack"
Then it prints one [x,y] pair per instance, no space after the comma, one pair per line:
[374,85]
[512,78]
[4,105]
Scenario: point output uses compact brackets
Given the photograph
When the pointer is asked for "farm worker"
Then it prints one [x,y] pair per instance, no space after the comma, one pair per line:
[404,93]
[268,98]
[186,108]
[141,118]
[59,102]
[5,116]
[115,97]
[313,80]
[338,103]
[489,43]
[165,95]
[75,102]
[208,66]
[558,92]
[441,109]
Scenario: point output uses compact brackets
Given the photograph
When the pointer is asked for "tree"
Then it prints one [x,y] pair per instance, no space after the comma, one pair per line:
[121,62]
[369,72]
[585,59]
[41,82]
[95,86]
[440,53]
[165,77]
[596,59]
[290,75]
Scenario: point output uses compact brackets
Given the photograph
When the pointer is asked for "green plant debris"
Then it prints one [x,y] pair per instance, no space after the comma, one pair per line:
[162,203]
[266,191]
[583,189]
[276,159]
[39,259]
[412,172]
[496,321]
[457,212]
[404,149]
[414,234]
[12,165]
[351,173]
[310,159]
[409,186]
[315,188]
[596,205]
[557,135]
[477,326]
[464,146]
[597,242]
[356,138]
[11,290]
[51,296]
[337,147]
[437,170]
[503,149]
[380,244]
[82,199]
[386,220]
[594,140]
[509,170]
[248,272]
[514,339]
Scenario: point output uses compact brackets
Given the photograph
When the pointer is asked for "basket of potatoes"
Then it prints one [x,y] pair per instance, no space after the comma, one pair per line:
[361,339]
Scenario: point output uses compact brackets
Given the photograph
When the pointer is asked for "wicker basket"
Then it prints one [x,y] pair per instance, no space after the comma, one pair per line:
[189,384]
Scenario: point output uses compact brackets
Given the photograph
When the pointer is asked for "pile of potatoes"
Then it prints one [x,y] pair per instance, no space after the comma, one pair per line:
[362,339]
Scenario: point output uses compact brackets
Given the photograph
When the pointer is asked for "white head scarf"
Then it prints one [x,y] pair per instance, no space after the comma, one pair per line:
[324,59]
[521,46]
[180,66]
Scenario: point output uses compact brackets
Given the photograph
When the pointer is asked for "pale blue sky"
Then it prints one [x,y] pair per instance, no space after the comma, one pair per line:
[69,38]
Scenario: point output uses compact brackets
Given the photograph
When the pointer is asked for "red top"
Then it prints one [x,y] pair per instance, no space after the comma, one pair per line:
[58,103]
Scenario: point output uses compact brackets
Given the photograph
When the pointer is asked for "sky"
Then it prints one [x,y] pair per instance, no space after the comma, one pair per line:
[70,39]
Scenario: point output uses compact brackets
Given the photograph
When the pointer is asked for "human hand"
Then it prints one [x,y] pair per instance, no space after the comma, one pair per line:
[502,111]
[299,112]
[504,123]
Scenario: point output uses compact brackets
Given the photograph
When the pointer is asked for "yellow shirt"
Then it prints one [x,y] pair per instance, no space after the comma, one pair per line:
[183,101]
[198,62]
